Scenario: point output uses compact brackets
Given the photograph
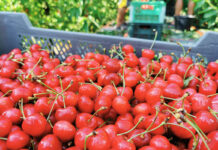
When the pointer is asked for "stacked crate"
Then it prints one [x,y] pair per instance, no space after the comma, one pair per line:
[145,17]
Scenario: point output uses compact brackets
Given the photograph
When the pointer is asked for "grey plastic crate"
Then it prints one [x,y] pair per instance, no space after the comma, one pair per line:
[16,31]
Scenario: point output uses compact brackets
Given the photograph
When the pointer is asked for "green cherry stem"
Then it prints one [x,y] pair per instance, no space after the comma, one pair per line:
[140,120]
[2,138]
[52,107]
[100,109]
[86,138]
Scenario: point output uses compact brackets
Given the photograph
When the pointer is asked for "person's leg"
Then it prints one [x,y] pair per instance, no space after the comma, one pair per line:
[121,16]
[191,6]
[178,7]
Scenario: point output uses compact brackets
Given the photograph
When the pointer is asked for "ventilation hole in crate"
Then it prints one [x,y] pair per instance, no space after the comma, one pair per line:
[66,46]
[56,51]
[58,47]
[69,42]
[50,40]
[33,39]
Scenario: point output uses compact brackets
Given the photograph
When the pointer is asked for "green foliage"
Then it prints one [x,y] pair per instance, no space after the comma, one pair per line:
[207,11]
[69,15]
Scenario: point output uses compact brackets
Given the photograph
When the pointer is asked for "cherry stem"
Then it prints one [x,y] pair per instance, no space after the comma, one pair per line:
[201,72]
[97,86]
[194,123]
[183,49]
[49,121]
[165,72]
[182,126]
[212,95]
[156,76]
[173,54]
[62,91]
[189,67]
[100,109]
[200,133]
[9,91]
[214,113]
[86,138]
[11,56]
[40,82]
[69,85]
[156,114]
[168,98]
[35,95]
[155,38]
[52,107]
[2,138]
[146,131]
[124,83]
[115,87]
[140,120]
[21,108]
[31,71]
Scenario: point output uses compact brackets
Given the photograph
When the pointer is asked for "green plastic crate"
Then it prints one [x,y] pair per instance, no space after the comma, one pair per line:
[147,12]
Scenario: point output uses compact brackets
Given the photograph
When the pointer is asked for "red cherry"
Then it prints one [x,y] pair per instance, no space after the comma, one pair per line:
[50,142]
[86,120]
[112,65]
[208,87]
[36,122]
[5,127]
[80,136]
[85,104]
[5,103]
[140,141]
[121,105]
[160,142]
[99,140]
[67,114]
[166,58]
[212,142]
[119,143]
[153,95]
[35,47]
[128,49]
[111,131]
[206,121]
[17,140]
[199,102]
[123,125]
[12,114]
[160,118]
[3,145]
[172,90]
[142,108]
[64,130]
[127,92]
[148,148]
[131,60]
[174,78]
[180,131]
[141,90]
[43,105]
[148,53]
[88,90]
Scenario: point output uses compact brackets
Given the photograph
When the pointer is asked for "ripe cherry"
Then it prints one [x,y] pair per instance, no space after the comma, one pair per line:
[17,140]
[50,142]
[121,105]
[64,130]
[36,122]
[160,142]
